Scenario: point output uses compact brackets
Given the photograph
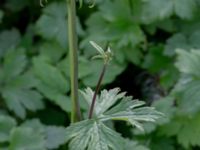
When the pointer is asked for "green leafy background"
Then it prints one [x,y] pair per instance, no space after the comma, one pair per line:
[156,46]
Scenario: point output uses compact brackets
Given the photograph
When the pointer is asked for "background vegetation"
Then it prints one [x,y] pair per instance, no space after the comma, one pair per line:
[156,46]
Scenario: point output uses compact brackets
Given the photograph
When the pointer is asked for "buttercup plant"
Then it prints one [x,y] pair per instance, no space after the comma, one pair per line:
[92,133]
[36,112]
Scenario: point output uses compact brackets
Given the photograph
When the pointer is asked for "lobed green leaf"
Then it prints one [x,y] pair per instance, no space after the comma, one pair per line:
[112,105]
[6,124]
[188,62]
[93,135]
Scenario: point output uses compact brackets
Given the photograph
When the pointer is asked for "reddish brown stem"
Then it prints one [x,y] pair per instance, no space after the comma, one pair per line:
[96,92]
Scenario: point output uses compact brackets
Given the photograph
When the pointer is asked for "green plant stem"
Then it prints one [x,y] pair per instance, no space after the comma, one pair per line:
[96,91]
[73,50]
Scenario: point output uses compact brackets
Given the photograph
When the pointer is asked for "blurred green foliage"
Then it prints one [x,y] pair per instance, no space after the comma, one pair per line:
[161,38]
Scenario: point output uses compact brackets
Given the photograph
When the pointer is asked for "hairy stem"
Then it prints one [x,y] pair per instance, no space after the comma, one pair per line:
[73,50]
[96,91]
